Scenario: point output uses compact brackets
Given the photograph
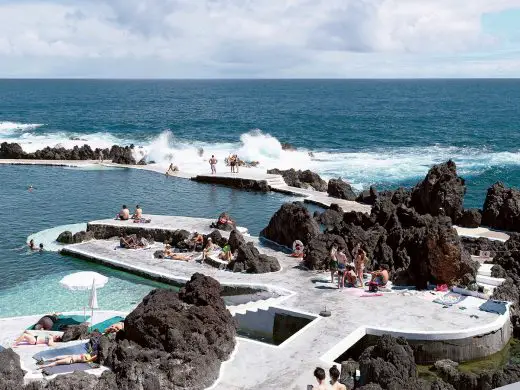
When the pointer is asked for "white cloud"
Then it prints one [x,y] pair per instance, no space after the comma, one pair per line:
[241,38]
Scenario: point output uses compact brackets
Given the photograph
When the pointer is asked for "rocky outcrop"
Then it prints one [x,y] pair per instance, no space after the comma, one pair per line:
[470,218]
[474,245]
[11,151]
[291,222]
[227,226]
[82,236]
[441,192]
[301,179]
[236,240]
[173,340]
[11,374]
[250,260]
[502,208]
[216,238]
[340,189]
[65,237]
[122,155]
[368,196]
[317,252]
[75,332]
[104,232]
[390,365]
[330,217]
[235,182]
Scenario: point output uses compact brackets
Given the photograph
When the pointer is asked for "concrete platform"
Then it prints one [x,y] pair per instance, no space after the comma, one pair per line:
[410,314]
[482,232]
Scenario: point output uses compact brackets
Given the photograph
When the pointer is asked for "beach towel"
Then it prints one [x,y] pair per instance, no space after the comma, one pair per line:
[450,298]
[76,349]
[372,295]
[69,368]
[62,322]
[100,327]
[491,306]
[142,220]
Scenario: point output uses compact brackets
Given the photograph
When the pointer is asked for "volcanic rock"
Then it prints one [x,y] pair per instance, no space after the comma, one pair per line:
[330,217]
[368,196]
[441,191]
[338,188]
[11,374]
[317,252]
[470,218]
[502,208]
[301,179]
[75,332]
[291,222]
[251,261]
[82,236]
[122,155]
[174,340]
[236,240]
[65,237]
[11,151]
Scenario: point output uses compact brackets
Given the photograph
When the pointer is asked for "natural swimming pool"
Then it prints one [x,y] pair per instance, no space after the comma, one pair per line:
[30,282]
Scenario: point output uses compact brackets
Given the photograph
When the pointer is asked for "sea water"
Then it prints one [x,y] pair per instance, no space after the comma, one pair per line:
[30,280]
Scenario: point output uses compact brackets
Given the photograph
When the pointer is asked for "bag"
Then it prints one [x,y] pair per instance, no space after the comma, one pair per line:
[373,287]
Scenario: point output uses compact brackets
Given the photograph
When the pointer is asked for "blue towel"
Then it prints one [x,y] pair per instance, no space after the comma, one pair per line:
[491,306]
[70,350]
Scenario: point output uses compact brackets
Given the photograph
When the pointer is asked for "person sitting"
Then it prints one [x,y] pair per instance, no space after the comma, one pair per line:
[297,249]
[68,359]
[132,242]
[46,322]
[32,245]
[334,379]
[124,213]
[224,222]
[172,169]
[226,254]
[138,214]
[210,247]
[350,276]
[28,338]
[114,328]
[196,242]
[381,276]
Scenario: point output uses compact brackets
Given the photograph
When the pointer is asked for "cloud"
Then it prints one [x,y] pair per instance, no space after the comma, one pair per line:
[249,38]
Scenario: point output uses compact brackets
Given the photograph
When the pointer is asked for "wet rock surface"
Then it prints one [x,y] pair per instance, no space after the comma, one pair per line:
[368,196]
[291,222]
[502,208]
[338,188]
[250,260]
[82,236]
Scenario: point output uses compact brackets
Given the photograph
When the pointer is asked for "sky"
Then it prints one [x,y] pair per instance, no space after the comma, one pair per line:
[259,38]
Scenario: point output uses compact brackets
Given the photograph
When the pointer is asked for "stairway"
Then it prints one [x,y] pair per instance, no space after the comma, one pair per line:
[253,306]
[276,181]
[485,279]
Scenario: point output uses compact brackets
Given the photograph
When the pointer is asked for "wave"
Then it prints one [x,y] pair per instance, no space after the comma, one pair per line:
[361,168]
[7,128]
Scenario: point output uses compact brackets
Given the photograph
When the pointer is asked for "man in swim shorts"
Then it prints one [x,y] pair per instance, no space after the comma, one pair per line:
[381,276]
[213,164]
[46,322]
[124,214]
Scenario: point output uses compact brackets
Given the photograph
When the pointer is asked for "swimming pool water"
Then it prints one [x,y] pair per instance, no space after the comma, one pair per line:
[30,280]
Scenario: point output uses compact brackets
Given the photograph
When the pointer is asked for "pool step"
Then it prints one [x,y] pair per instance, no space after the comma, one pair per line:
[488,280]
[253,306]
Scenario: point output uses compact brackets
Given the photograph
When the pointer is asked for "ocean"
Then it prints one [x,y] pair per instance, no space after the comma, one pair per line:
[369,132]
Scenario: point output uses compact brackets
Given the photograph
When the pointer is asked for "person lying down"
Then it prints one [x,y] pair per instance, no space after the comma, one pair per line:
[67,359]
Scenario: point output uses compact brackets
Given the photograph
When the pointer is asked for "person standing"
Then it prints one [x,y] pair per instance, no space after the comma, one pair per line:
[360,265]
[213,164]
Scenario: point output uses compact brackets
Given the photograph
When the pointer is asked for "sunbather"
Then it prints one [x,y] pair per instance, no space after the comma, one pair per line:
[210,247]
[381,276]
[124,213]
[350,276]
[28,338]
[226,254]
[68,359]
[297,249]
[46,322]
[360,265]
[115,328]
[138,213]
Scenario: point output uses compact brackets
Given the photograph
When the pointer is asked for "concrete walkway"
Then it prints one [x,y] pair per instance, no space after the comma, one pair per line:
[410,314]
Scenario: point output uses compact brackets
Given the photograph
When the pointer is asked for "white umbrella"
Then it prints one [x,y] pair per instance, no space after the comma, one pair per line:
[85,281]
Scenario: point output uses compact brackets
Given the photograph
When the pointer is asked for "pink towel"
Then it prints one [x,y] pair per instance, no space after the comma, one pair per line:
[372,295]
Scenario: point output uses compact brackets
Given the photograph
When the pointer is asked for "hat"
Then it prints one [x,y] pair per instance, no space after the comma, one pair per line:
[168,246]
[209,239]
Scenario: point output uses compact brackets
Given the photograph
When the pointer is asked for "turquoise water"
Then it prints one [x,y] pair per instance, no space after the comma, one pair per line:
[64,196]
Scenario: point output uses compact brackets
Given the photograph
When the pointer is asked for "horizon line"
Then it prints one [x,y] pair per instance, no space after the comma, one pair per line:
[257,78]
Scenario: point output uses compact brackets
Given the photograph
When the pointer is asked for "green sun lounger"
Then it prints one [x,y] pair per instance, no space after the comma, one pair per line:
[64,321]
[100,327]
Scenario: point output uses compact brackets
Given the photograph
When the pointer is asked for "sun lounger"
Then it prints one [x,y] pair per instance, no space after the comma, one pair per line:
[69,368]
[101,327]
[76,349]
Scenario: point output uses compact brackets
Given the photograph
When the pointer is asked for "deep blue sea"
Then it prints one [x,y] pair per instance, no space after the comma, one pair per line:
[382,132]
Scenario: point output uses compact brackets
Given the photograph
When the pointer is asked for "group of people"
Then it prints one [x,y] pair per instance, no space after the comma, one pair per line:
[334,384]
[133,242]
[351,274]
[233,162]
[124,213]
[32,246]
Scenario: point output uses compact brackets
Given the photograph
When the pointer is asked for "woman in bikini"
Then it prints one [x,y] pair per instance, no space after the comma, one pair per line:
[68,359]
[28,338]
